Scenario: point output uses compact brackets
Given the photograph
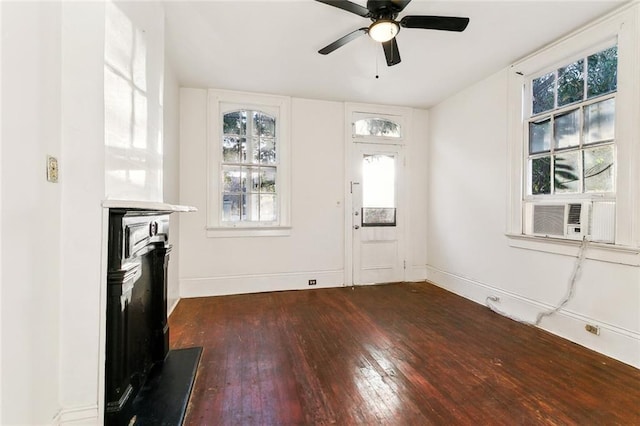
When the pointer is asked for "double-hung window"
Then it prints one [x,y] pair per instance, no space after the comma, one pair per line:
[574,154]
[248,164]
[571,128]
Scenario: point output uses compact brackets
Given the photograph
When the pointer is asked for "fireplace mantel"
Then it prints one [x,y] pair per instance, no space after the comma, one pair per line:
[147,205]
[144,381]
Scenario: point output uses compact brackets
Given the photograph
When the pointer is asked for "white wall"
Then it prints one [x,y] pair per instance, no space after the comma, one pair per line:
[53,56]
[31,212]
[469,254]
[134,58]
[315,248]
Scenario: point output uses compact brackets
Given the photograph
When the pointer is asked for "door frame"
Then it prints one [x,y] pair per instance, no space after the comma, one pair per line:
[404,115]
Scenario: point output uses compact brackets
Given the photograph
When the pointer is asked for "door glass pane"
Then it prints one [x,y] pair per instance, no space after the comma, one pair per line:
[598,169]
[377,127]
[567,129]
[378,190]
[540,136]
[566,172]
[571,83]
[599,121]
[602,72]
[543,93]
[540,175]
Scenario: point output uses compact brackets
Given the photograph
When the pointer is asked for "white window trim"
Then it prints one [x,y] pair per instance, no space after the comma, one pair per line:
[622,25]
[215,226]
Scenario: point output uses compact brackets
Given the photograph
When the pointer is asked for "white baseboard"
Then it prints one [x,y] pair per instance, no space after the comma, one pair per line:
[78,416]
[172,307]
[242,284]
[613,341]
[416,273]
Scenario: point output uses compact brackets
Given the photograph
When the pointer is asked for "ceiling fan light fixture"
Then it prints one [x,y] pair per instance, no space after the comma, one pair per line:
[383,30]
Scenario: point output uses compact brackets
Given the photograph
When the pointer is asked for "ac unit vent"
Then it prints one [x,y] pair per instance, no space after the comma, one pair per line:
[548,219]
[573,218]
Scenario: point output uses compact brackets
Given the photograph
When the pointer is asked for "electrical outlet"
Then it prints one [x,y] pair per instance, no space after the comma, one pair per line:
[312,282]
[594,329]
[52,169]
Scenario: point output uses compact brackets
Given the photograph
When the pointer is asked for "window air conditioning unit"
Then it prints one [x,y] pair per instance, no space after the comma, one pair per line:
[560,220]
[573,221]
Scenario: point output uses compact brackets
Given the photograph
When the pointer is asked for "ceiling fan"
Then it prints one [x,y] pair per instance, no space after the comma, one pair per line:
[384,28]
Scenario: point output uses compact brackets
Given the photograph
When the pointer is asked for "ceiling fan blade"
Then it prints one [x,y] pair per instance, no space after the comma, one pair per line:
[343,40]
[348,6]
[445,23]
[391,52]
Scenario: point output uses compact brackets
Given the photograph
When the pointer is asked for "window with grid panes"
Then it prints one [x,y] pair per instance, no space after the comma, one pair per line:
[249,167]
[571,127]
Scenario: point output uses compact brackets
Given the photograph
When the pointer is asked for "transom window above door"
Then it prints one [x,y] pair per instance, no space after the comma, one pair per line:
[377,127]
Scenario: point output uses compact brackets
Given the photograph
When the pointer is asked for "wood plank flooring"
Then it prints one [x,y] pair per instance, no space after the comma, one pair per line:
[397,354]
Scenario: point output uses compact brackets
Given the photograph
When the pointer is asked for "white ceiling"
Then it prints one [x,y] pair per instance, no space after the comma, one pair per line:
[271,46]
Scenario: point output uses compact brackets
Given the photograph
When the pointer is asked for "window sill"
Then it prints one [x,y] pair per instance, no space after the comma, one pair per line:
[596,251]
[245,231]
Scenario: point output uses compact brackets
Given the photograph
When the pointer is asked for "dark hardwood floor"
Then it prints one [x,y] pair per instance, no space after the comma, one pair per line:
[397,354]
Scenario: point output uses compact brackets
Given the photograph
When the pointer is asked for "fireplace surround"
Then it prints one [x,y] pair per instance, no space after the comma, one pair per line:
[145,382]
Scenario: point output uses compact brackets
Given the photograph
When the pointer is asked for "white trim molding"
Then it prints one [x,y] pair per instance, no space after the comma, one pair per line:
[614,341]
[259,283]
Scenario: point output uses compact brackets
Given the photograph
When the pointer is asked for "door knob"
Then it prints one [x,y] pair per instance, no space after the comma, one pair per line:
[356,226]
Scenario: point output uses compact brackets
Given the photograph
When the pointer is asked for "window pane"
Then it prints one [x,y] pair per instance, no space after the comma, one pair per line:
[543,93]
[602,72]
[540,136]
[377,127]
[254,174]
[267,208]
[231,149]
[235,123]
[372,216]
[230,208]
[599,121]
[267,150]
[566,172]
[264,124]
[571,83]
[231,179]
[378,181]
[598,169]
[268,179]
[566,129]
[541,175]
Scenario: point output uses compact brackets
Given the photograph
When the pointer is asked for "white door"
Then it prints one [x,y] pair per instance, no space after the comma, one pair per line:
[377,214]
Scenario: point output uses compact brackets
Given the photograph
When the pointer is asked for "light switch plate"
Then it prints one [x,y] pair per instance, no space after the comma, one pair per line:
[52,169]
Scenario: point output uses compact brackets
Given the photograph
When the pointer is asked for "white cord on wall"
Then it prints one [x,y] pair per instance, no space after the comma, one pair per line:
[570,290]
